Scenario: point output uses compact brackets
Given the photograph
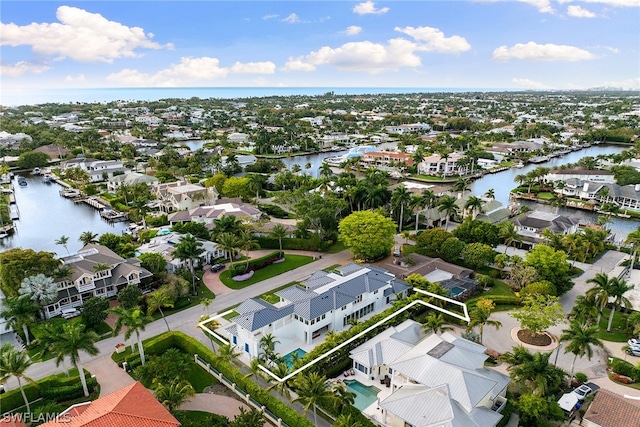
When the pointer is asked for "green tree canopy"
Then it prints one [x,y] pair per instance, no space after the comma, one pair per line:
[130,297]
[430,241]
[476,231]
[17,264]
[94,311]
[369,235]
[477,255]
[551,265]
[153,262]
[539,312]
[32,159]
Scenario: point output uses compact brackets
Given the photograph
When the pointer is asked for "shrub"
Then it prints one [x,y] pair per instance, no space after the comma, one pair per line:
[624,368]
[313,243]
[581,377]
[255,264]
[68,392]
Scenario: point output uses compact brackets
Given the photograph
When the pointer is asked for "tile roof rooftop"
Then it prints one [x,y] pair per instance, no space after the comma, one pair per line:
[609,409]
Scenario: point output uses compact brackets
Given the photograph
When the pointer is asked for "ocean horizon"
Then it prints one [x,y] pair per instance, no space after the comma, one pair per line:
[25,96]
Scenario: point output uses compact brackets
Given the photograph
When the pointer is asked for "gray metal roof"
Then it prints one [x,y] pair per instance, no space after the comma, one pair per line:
[420,406]
[251,305]
[258,319]
[347,269]
[295,294]
[485,417]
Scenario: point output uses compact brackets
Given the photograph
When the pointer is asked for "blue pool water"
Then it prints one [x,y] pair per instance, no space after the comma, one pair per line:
[297,354]
[365,395]
[455,291]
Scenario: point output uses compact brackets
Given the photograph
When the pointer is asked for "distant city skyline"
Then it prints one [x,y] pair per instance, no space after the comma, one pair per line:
[524,44]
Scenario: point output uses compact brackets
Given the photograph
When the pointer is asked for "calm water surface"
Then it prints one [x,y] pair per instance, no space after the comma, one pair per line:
[45,216]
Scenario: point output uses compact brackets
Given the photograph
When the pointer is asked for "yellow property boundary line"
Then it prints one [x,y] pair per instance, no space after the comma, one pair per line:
[464,317]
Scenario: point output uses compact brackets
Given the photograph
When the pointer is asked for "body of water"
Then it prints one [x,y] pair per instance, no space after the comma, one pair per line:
[45,216]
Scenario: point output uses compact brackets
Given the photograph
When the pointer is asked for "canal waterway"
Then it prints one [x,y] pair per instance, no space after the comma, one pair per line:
[45,216]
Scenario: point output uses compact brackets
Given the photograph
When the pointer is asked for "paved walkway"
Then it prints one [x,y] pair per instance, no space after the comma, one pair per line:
[214,403]
[110,376]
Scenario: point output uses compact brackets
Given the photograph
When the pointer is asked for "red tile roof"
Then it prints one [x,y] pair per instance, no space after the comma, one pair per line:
[131,406]
[609,409]
[14,420]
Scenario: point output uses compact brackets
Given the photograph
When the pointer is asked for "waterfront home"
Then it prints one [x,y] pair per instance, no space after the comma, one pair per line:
[385,159]
[513,148]
[164,244]
[131,178]
[437,164]
[180,195]
[609,409]
[429,380]
[408,128]
[87,279]
[13,141]
[99,170]
[625,197]
[530,225]
[324,302]
[222,208]
[582,174]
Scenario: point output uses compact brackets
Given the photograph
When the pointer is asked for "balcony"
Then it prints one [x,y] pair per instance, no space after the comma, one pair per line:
[86,287]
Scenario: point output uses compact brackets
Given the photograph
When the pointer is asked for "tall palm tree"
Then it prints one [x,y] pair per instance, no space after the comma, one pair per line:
[88,237]
[73,339]
[580,340]
[256,181]
[189,249]
[436,324]
[14,362]
[475,205]
[490,194]
[345,420]
[20,312]
[509,235]
[281,370]
[343,398]
[461,185]
[399,198]
[268,346]
[585,309]
[229,243]
[601,292]
[173,395]
[618,288]
[325,170]
[279,232]
[135,321]
[447,204]
[227,353]
[158,299]
[480,317]
[63,241]
[254,369]
[533,370]
[633,239]
[312,389]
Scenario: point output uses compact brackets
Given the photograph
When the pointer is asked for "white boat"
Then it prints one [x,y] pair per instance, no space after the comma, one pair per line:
[46,178]
[519,165]
[3,235]
[36,171]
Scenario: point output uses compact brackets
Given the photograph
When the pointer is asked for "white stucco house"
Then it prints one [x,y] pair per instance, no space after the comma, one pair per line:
[325,302]
[180,195]
[429,381]
[99,170]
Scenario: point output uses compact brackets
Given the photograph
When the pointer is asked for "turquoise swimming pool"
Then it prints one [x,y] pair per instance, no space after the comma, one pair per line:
[292,356]
[365,395]
[455,291]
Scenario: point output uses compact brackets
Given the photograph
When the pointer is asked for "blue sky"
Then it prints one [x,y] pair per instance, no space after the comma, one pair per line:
[517,44]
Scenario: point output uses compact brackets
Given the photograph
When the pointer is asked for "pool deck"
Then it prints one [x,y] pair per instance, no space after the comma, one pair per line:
[372,410]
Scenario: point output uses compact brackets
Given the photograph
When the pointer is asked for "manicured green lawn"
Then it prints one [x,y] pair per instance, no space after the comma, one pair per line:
[337,247]
[546,196]
[498,290]
[291,262]
[618,327]
[199,378]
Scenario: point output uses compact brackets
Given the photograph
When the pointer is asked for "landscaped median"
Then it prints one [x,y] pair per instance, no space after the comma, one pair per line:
[161,343]
[290,262]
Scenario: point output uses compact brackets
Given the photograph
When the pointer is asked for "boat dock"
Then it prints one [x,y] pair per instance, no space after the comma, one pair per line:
[106,212]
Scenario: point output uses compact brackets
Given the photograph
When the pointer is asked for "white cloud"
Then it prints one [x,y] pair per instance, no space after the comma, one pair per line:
[20,68]
[543,6]
[619,3]
[579,12]
[80,35]
[369,8]
[432,39]
[73,79]
[529,84]
[360,56]
[629,84]
[254,68]
[188,72]
[352,30]
[272,16]
[292,19]
[542,52]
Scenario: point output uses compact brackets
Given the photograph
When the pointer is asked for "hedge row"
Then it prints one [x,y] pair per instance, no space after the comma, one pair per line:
[314,243]
[54,387]
[255,264]
[625,368]
[161,343]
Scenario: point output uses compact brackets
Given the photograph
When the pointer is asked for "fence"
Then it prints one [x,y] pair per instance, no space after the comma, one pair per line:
[245,396]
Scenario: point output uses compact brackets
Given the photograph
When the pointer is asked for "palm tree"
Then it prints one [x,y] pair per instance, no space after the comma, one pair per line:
[255,183]
[436,324]
[447,204]
[227,353]
[248,242]
[254,369]
[157,300]
[633,239]
[585,309]
[345,420]
[580,340]
[281,370]
[88,237]
[188,249]
[474,204]
[618,289]
[312,389]
[135,321]
[325,170]
[399,198]
[461,185]
[72,340]
[490,194]
[533,370]
[480,317]
[509,235]
[15,362]
[173,395]
[229,243]
[343,398]
[600,292]
[19,312]
[206,302]
[279,232]
[41,289]
[63,241]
